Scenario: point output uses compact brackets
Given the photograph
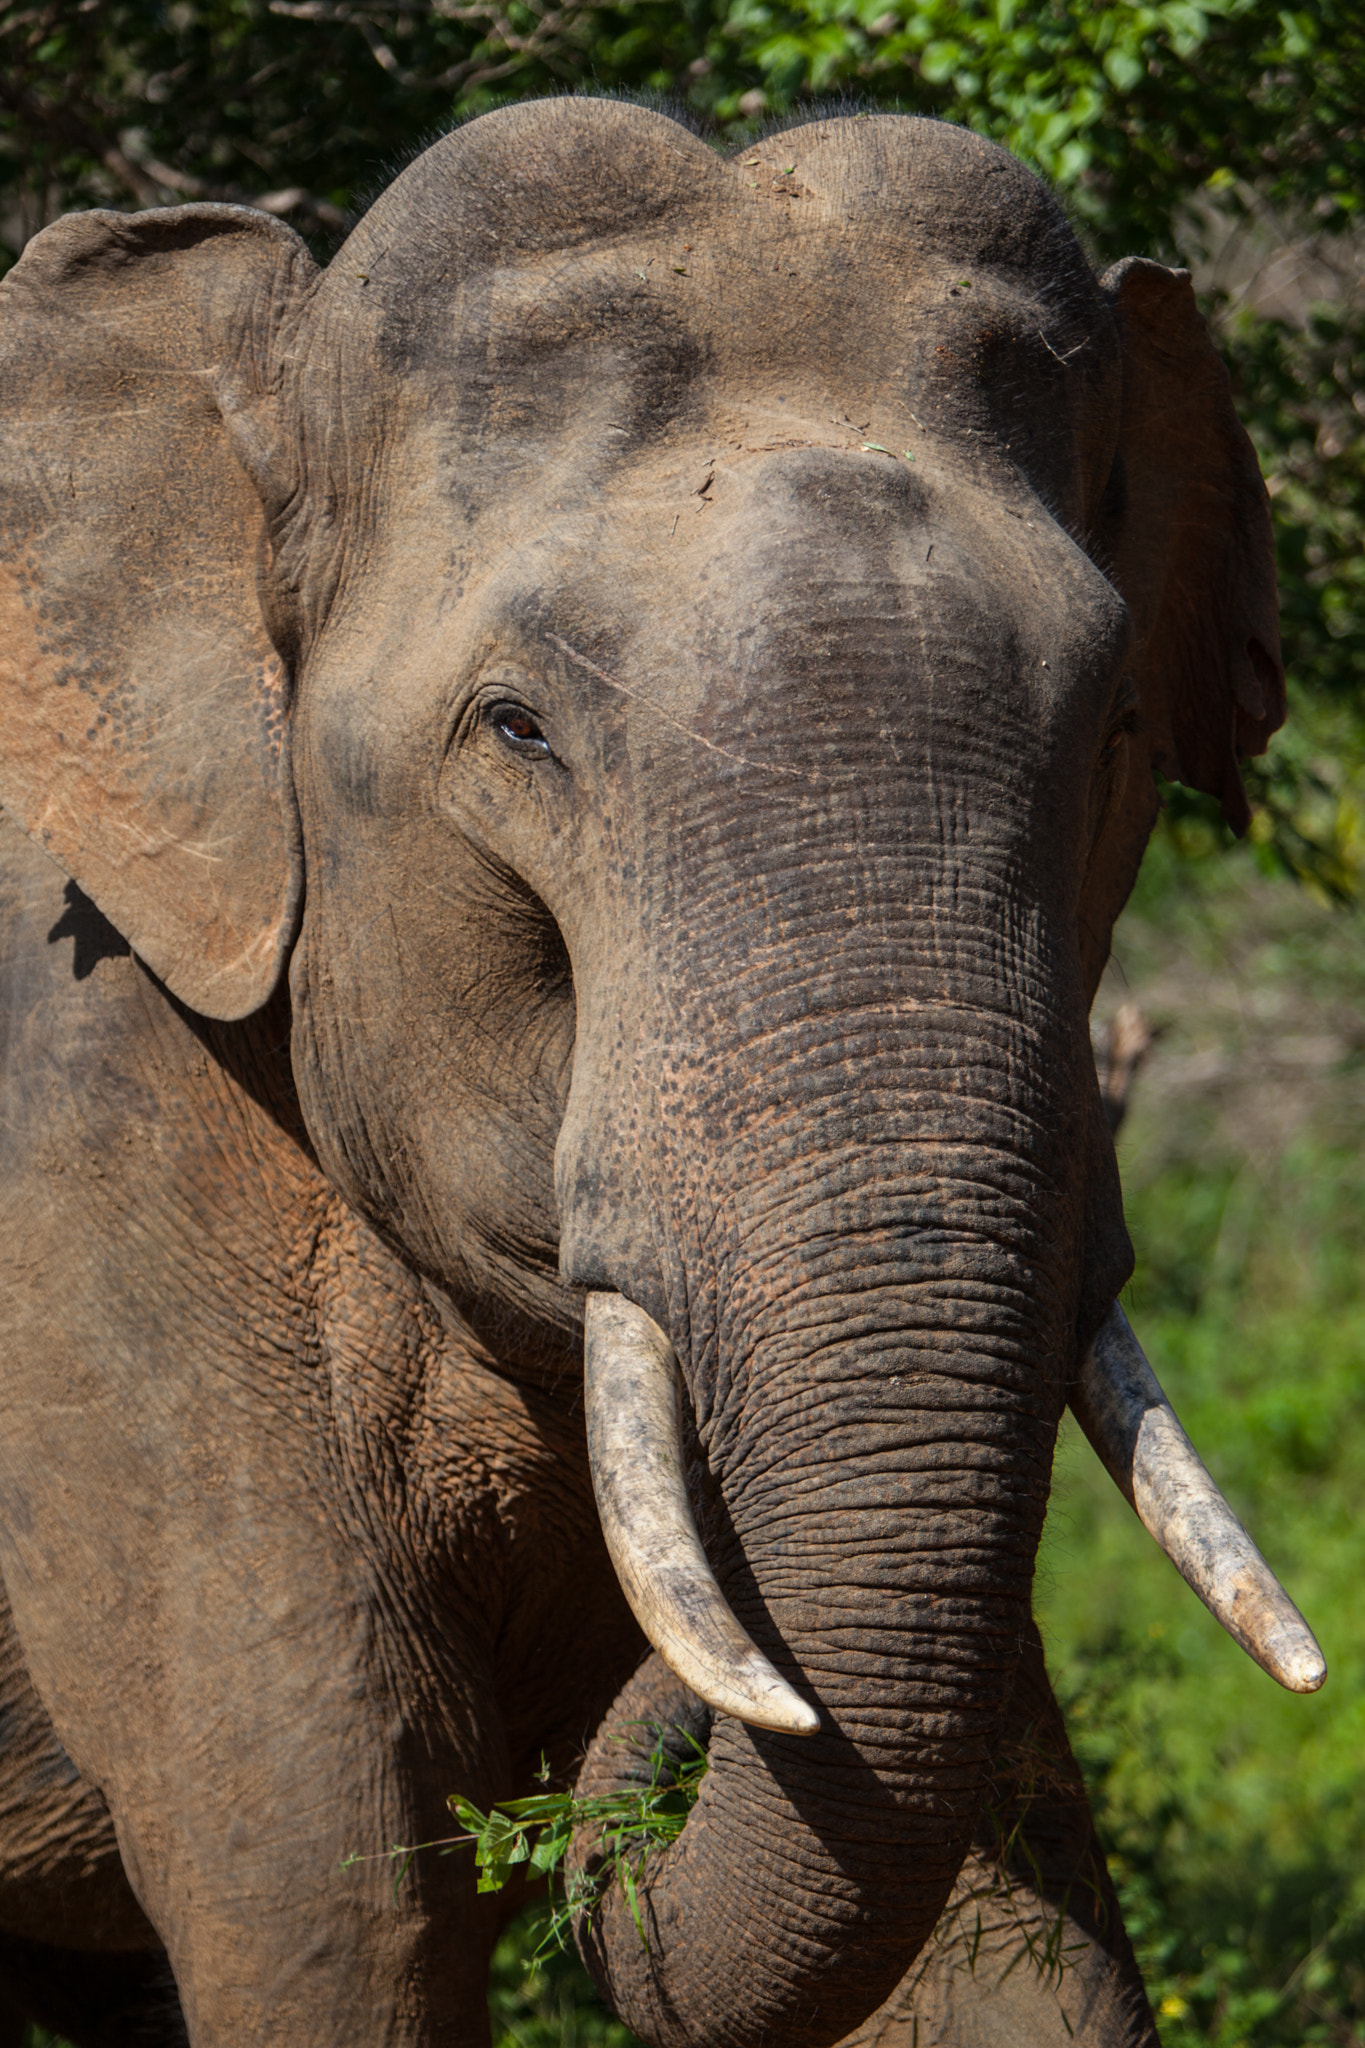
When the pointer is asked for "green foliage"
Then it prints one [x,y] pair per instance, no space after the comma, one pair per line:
[1127,108]
[1302,396]
[622,1826]
[302,104]
[544,1998]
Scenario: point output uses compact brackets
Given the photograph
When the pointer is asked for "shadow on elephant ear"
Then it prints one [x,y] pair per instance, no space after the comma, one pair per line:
[253,1053]
[94,936]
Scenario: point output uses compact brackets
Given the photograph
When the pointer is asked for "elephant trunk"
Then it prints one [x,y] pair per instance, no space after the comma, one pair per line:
[880,1551]
[634,1422]
[874,1539]
[844,1145]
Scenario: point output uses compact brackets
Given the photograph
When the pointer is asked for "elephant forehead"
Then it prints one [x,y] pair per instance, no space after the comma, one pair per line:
[580,228]
[552,384]
[564,286]
[798,566]
[802,588]
[747,303]
[544,177]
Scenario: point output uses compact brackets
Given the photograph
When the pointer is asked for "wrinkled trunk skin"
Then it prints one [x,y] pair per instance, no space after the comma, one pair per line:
[875,1350]
[890,1581]
[1031,1946]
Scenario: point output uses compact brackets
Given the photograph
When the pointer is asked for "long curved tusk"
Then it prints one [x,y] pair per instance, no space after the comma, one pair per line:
[1120,1406]
[634,1415]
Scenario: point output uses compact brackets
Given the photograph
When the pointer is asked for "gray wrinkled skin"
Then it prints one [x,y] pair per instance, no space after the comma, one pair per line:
[596,743]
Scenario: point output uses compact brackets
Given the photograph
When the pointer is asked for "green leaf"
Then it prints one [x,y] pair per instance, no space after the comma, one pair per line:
[1123,69]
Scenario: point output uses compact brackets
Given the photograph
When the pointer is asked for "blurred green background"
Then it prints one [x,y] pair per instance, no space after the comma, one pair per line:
[1234,1813]
[1229,135]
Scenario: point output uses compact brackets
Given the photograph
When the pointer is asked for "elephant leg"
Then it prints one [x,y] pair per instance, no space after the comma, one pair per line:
[61,1876]
[1031,1950]
[77,1954]
[91,2001]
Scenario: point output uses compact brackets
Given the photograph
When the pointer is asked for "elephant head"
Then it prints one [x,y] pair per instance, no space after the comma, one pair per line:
[668,653]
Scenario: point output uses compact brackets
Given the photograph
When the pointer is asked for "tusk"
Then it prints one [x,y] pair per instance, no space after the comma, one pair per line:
[1121,1408]
[634,1415]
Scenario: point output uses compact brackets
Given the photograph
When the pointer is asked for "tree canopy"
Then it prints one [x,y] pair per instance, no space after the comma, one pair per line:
[1163,127]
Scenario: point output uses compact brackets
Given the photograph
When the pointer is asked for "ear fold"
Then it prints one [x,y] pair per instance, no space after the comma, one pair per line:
[142,703]
[1187,530]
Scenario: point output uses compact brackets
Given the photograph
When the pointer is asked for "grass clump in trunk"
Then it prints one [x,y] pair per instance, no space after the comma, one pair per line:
[626,1826]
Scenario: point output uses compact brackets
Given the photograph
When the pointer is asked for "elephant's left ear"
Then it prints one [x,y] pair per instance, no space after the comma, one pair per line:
[142,701]
[1189,542]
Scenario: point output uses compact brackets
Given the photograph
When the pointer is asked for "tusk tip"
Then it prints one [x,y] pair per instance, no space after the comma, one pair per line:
[1133,1427]
[789,1715]
[1303,1670]
[748,1689]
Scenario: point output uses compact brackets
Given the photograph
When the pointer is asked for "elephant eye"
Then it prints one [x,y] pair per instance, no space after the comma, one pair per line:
[1123,727]
[515,724]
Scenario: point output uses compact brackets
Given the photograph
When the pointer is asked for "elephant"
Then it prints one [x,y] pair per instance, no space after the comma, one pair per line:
[566,781]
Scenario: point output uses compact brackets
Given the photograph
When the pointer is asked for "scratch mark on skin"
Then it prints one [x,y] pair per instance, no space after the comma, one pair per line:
[744,761]
[1070,352]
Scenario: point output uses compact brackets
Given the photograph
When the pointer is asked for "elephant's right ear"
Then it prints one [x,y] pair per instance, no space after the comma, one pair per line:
[1187,529]
[142,702]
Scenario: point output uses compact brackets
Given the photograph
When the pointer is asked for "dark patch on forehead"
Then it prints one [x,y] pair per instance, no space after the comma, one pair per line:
[551,178]
[536,315]
[532,359]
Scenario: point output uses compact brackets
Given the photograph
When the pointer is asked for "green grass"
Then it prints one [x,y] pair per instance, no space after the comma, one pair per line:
[1233,1812]
[620,1831]
[551,2003]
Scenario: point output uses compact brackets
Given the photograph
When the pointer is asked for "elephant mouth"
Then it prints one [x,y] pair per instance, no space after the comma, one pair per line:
[633,1401]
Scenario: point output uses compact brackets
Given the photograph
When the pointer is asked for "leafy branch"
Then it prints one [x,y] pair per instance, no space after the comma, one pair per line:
[625,1825]
[1002,1890]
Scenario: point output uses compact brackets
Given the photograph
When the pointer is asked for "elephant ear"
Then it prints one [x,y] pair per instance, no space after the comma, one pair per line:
[1190,543]
[143,730]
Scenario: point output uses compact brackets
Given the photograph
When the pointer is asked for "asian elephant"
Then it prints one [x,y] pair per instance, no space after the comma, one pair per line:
[575,768]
